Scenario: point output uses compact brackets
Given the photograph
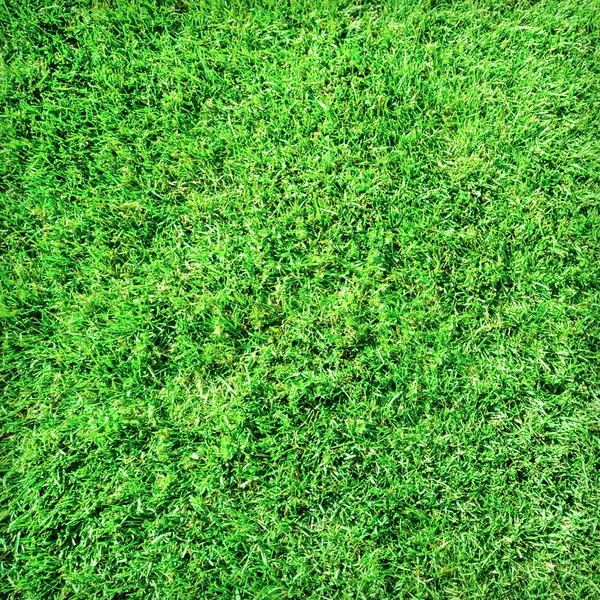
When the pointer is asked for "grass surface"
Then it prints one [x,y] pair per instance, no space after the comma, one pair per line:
[300,300]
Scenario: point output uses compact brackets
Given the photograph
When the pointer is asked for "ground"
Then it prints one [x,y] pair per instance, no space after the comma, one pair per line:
[300,299]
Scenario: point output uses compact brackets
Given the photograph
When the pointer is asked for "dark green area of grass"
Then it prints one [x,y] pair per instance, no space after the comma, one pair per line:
[300,300]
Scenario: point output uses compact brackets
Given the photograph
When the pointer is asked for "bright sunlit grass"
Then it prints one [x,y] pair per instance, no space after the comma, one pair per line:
[299,300]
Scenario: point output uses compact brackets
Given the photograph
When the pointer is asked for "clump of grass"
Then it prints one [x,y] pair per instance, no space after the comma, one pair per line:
[299,300]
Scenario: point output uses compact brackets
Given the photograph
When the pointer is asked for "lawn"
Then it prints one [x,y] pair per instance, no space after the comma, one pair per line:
[299,299]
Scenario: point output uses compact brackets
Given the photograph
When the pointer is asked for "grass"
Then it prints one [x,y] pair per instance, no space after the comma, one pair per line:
[300,299]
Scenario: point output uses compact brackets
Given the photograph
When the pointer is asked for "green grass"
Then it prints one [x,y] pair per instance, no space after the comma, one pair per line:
[300,299]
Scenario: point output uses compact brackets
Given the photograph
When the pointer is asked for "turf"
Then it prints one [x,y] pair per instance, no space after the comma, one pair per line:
[300,299]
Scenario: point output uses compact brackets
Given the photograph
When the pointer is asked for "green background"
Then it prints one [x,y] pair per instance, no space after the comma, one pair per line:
[299,299]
